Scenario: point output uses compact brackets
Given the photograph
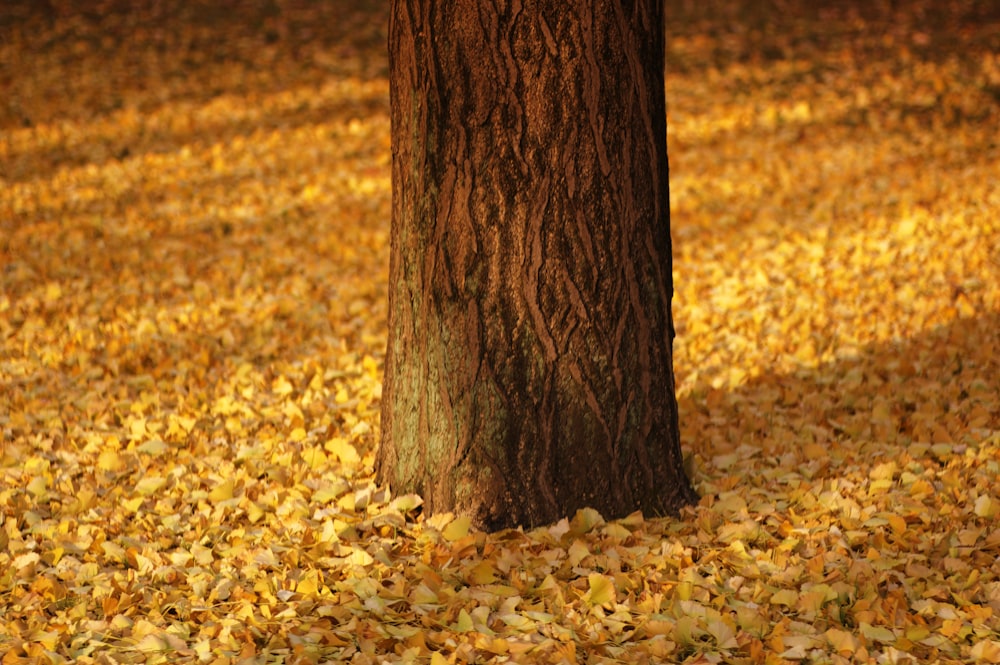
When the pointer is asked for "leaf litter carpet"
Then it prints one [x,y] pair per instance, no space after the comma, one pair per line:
[194,208]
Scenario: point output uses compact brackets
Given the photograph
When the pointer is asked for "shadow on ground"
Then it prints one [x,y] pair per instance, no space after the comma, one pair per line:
[938,387]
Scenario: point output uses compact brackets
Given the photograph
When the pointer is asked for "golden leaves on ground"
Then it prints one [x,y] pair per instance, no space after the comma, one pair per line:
[193,241]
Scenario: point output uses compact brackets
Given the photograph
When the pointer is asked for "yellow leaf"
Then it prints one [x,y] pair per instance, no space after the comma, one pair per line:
[186,424]
[985,506]
[122,622]
[153,447]
[842,641]
[495,645]
[482,573]
[884,471]
[788,597]
[405,503]
[47,638]
[458,528]
[752,620]
[222,491]
[896,522]
[342,450]
[585,520]
[113,550]
[423,595]
[725,636]
[202,555]
[137,429]
[633,520]
[815,451]
[464,623]
[25,560]
[438,659]
[517,621]
[602,589]
[254,512]
[686,630]
[109,460]
[150,485]
[281,386]
[577,552]
[52,292]
[310,193]
[152,642]
[38,486]
[314,457]
[328,493]
[877,633]
[309,584]
[359,557]
[203,649]
[267,558]
[986,651]
[729,503]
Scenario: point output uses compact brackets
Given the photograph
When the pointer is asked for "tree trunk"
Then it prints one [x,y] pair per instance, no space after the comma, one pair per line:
[528,368]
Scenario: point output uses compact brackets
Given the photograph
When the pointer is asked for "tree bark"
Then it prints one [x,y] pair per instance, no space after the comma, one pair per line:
[529,361]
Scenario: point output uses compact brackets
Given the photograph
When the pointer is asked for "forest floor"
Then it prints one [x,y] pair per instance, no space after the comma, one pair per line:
[194,220]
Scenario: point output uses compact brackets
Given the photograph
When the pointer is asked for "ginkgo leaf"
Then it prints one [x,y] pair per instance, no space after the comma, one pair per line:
[26,559]
[223,491]
[254,512]
[464,622]
[722,632]
[343,450]
[153,447]
[986,651]
[152,643]
[686,630]
[193,334]
[314,457]
[359,557]
[985,506]
[517,621]
[788,597]
[423,595]
[109,460]
[577,552]
[38,486]
[113,550]
[150,485]
[601,589]
[877,633]
[843,642]
[457,528]
[482,573]
[309,584]
[585,519]
[405,503]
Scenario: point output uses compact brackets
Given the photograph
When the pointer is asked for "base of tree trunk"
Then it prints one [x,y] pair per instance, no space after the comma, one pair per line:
[529,363]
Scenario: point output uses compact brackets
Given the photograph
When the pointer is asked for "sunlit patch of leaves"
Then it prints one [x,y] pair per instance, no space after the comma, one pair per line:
[194,208]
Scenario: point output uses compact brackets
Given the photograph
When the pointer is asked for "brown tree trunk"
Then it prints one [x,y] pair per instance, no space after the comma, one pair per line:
[528,369]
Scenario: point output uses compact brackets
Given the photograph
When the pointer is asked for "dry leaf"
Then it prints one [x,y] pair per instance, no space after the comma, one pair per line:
[195,211]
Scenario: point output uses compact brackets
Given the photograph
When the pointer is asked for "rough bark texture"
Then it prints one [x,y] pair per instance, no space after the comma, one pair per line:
[528,369]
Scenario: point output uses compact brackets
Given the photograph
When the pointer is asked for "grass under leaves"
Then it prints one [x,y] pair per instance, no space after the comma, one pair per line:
[194,208]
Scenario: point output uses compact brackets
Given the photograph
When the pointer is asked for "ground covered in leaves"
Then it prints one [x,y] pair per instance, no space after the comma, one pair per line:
[194,208]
